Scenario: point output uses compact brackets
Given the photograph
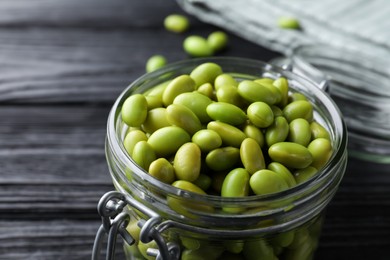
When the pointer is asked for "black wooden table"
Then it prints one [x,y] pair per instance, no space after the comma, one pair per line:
[62,65]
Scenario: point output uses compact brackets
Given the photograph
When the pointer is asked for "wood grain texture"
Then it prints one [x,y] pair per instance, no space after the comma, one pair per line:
[62,65]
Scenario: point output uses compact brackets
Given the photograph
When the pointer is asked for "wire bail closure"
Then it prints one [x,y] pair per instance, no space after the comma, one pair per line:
[114,222]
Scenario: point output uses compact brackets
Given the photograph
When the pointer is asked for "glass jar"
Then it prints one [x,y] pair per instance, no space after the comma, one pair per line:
[178,224]
[359,83]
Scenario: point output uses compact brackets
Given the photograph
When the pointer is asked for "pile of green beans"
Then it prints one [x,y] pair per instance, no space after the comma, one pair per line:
[257,134]
[209,133]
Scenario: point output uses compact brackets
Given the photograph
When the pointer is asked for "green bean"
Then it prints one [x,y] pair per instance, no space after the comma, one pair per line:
[224,158]
[277,131]
[155,62]
[288,22]
[225,80]
[162,170]
[230,135]
[251,155]
[318,131]
[302,175]
[252,92]
[254,133]
[165,141]
[176,23]
[183,117]
[207,140]
[298,109]
[203,181]
[155,119]
[266,182]
[207,89]
[282,84]
[132,138]
[134,110]
[236,183]
[205,73]
[197,46]
[143,154]
[260,114]
[283,172]
[187,162]
[229,94]
[299,131]
[321,150]
[217,40]
[291,155]
[226,112]
[177,86]
[196,102]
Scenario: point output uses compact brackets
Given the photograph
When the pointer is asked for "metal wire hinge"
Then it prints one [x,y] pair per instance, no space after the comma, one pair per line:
[114,222]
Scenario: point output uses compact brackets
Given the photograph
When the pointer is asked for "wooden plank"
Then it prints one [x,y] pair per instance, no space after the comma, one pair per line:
[49,239]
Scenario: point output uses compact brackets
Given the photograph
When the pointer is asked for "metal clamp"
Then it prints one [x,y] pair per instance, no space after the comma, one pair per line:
[114,222]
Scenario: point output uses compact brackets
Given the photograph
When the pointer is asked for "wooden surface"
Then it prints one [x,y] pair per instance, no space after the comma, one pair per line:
[62,65]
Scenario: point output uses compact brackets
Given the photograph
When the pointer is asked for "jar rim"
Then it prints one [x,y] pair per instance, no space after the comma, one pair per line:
[115,144]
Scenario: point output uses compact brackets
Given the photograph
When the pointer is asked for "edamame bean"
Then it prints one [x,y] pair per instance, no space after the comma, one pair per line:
[165,141]
[134,110]
[143,154]
[162,170]
[302,175]
[203,181]
[288,22]
[297,96]
[251,156]
[224,158]
[277,131]
[252,92]
[291,155]
[133,137]
[197,46]
[260,114]
[298,109]
[155,62]
[283,172]
[300,132]
[282,84]
[207,89]
[318,131]
[155,119]
[229,94]
[266,182]
[236,183]
[180,84]
[230,135]
[196,102]
[254,133]
[183,117]
[205,73]
[265,82]
[226,113]
[225,80]
[176,23]
[321,150]
[276,110]
[217,40]
[187,162]
[207,140]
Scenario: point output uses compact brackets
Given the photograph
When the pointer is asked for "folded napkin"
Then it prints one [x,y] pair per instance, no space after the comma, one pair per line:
[352,24]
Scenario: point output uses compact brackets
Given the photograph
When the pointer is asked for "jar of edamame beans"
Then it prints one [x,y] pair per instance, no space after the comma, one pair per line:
[224,217]
[359,83]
